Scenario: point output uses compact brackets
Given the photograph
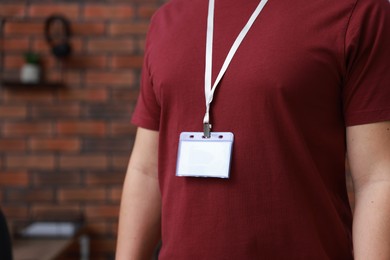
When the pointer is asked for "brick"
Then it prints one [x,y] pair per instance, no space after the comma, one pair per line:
[102,211]
[15,44]
[119,162]
[128,29]
[115,194]
[77,45]
[40,45]
[127,62]
[122,129]
[86,62]
[44,162]
[14,179]
[8,111]
[23,128]
[97,128]
[140,45]
[24,96]
[109,12]
[126,94]
[56,111]
[110,78]
[67,77]
[107,145]
[12,145]
[49,62]
[88,28]
[113,111]
[31,195]
[146,11]
[12,10]
[84,162]
[24,28]
[13,212]
[70,11]
[89,95]
[55,144]
[110,45]
[13,61]
[55,212]
[82,194]
[57,179]
[104,178]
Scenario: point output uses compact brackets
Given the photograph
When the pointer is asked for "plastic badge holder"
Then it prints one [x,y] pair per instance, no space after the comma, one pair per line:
[204,157]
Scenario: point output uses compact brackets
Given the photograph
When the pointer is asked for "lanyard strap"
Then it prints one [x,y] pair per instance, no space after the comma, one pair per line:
[209,91]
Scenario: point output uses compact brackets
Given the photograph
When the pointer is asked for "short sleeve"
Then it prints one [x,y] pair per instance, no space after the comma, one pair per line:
[366,93]
[147,110]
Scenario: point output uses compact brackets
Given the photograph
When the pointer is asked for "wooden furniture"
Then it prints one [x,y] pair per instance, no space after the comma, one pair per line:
[48,248]
[49,240]
[39,249]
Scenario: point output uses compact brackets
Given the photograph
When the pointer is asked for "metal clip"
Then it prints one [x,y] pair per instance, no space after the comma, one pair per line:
[207,130]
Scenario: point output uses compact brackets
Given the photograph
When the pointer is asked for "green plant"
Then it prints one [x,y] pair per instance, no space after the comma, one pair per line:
[31,57]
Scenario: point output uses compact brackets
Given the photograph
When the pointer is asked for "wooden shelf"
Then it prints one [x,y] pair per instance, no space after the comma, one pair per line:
[14,84]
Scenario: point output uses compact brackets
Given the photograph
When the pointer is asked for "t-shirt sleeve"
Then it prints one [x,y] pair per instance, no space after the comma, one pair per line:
[366,93]
[147,110]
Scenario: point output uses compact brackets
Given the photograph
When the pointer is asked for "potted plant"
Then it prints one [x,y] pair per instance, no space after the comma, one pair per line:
[31,70]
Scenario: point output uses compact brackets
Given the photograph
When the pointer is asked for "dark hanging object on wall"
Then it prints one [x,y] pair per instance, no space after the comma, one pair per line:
[58,33]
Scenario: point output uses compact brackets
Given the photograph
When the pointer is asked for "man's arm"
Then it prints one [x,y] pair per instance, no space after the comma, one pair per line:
[369,158]
[140,212]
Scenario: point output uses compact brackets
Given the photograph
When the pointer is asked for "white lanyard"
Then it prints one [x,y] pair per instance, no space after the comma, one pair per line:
[209,91]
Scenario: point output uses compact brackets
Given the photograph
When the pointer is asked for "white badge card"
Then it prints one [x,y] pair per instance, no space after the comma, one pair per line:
[204,157]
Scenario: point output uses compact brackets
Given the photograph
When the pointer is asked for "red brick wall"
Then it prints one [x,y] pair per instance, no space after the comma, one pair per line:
[65,151]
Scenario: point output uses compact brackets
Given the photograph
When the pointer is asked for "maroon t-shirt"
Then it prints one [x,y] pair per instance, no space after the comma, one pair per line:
[305,71]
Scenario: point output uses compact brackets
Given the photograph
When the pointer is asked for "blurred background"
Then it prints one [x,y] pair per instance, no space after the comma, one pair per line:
[65,139]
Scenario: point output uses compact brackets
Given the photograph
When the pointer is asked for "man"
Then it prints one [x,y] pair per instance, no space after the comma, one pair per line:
[308,83]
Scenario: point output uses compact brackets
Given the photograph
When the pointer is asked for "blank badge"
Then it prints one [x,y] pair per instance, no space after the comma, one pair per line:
[204,157]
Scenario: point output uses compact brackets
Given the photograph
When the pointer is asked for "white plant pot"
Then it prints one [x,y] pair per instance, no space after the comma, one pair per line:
[30,73]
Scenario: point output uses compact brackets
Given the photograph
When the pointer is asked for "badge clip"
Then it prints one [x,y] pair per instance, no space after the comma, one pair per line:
[207,130]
